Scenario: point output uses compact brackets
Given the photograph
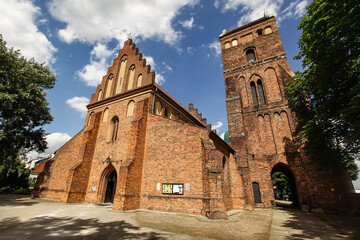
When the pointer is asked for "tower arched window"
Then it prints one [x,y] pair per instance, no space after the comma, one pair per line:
[250,55]
[113,129]
[257,93]
[261,92]
[254,94]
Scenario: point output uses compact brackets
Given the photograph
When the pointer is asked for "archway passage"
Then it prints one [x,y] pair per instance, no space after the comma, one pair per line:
[284,185]
[110,187]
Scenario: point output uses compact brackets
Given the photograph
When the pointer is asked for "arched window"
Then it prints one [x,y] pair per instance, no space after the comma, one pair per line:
[113,129]
[250,55]
[260,33]
[256,191]
[99,95]
[234,42]
[254,94]
[109,86]
[131,77]
[158,108]
[227,45]
[261,92]
[106,115]
[130,109]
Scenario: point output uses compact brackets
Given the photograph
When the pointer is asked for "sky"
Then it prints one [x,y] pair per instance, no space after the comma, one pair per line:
[78,39]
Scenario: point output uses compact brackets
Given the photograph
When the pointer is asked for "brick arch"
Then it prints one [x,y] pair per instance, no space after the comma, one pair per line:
[284,168]
[243,89]
[103,180]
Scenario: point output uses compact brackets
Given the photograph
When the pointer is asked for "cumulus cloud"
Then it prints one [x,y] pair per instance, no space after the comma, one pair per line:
[215,48]
[19,30]
[217,126]
[100,21]
[79,104]
[93,72]
[254,9]
[159,79]
[188,23]
[55,141]
[160,69]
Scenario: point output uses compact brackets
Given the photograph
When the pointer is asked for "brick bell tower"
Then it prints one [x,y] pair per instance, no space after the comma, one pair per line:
[261,125]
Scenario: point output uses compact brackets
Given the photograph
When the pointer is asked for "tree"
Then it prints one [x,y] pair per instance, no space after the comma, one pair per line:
[23,106]
[326,96]
[281,182]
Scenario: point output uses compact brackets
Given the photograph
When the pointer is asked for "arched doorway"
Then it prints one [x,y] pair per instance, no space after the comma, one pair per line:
[110,187]
[284,185]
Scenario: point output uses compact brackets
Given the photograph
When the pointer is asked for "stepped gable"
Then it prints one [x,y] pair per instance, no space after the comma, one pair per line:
[128,72]
[197,115]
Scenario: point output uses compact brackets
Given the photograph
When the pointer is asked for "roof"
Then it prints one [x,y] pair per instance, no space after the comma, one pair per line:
[39,168]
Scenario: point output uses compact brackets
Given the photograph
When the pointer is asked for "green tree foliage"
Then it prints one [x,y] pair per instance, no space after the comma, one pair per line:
[326,96]
[23,106]
[281,182]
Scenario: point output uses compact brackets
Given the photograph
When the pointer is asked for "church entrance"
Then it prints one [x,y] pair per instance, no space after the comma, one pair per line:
[110,187]
[284,186]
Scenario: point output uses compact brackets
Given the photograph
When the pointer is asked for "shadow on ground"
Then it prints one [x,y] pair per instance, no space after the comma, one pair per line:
[68,227]
[310,226]
[16,200]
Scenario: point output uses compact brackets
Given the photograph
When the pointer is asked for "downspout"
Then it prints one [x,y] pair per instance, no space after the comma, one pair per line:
[153,105]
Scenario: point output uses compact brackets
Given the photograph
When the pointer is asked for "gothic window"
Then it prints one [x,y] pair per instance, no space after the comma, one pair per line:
[227,45]
[120,79]
[250,55]
[139,80]
[130,109]
[261,92]
[234,42]
[106,115]
[257,93]
[113,129]
[131,77]
[99,95]
[158,108]
[254,94]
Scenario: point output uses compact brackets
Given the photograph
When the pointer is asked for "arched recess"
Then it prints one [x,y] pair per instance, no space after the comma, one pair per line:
[130,82]
[243,92]
[158,108]
[121,74]
[287,191]
[168,112]
[100,95]
[139,80]
[89,119]
[108,182]
[109,85]
[130,108]
[272,85]
[106,115]
[267,30]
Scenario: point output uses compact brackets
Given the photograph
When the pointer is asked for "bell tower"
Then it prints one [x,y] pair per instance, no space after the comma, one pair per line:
[261,124]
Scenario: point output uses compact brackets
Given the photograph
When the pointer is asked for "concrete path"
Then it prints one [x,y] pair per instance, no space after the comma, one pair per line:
[25,218]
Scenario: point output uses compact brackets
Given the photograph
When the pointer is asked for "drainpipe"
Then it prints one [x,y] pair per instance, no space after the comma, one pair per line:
[153,105]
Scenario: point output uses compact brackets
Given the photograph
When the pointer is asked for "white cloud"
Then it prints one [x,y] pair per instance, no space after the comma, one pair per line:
[150,61]
[215,48]
[216,3]
[254,9]
[79,104]
[19,30]
[159,79]
[188,23]
[101,21]
[55,141]
[93,72]
[217,126]
[167,67]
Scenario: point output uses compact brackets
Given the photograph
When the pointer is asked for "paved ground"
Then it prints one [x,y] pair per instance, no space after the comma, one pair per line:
[25,218]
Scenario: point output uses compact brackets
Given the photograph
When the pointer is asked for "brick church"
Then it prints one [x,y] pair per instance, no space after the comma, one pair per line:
[140,148]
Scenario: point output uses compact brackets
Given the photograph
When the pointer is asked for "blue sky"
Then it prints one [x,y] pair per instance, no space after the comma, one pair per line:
[179,38]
